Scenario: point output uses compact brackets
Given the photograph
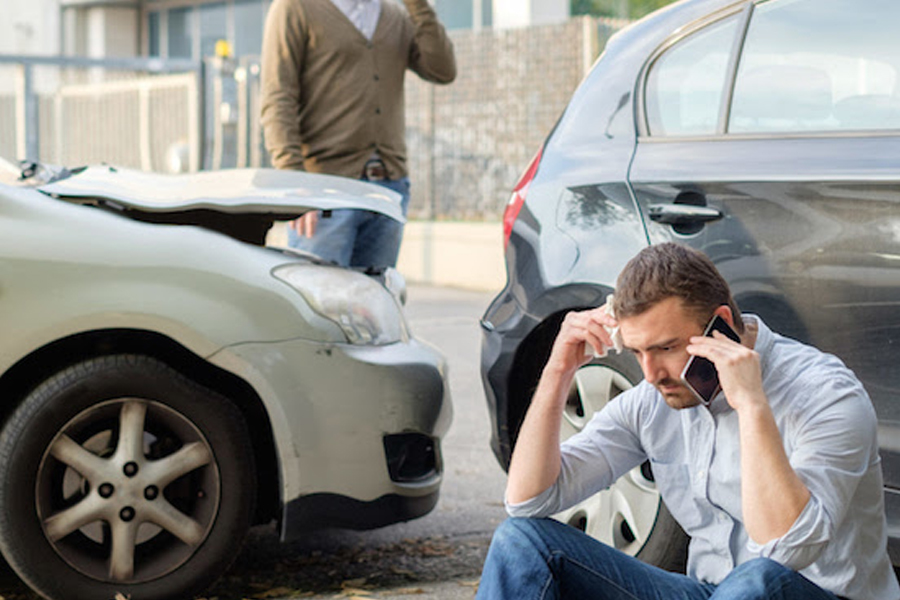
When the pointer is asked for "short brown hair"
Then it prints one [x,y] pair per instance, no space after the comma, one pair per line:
[671,270]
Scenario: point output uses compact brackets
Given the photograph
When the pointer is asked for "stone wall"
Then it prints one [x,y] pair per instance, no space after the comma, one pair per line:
[469,141]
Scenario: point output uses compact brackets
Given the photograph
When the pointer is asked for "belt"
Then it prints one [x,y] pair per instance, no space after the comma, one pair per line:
[374,170]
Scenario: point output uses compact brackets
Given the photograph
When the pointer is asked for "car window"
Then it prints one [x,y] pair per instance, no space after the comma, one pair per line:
[685,84]
[818,65]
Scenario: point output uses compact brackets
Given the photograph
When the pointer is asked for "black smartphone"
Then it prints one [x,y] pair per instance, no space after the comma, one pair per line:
[699,374]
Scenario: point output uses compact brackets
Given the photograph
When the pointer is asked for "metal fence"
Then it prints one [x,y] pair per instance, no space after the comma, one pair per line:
[467,142]
[72,111]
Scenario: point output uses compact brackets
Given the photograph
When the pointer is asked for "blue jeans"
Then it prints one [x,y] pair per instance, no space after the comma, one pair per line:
[537,559]
[357,238]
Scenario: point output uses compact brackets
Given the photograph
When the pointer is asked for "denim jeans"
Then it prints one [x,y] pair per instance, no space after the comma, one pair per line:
[357,238]
[537,559]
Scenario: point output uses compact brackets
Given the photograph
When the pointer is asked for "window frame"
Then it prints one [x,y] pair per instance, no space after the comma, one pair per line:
[162,8]
[724,112]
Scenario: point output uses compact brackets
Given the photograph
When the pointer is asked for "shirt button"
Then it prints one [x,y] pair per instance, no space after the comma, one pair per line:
[376,77]
[700,474]
[377,111]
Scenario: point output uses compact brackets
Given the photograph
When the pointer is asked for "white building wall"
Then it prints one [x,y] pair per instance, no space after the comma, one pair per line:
[520,13]
[29,27]
[41,27]
[112,32]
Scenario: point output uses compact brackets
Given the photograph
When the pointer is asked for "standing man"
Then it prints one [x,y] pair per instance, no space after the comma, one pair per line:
[332,102]
[777,481]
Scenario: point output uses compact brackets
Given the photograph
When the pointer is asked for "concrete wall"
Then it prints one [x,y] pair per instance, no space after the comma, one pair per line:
[455,254]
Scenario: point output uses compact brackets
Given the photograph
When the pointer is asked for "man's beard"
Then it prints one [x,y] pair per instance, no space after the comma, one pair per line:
[677,395]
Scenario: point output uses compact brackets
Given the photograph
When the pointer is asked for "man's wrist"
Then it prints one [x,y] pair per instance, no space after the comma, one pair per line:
[753,409]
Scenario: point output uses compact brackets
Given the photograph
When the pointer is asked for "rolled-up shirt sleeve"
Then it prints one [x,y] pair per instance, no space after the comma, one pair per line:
[591,461]
[835,454]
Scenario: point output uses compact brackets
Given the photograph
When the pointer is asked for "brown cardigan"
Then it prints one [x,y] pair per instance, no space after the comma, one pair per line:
[330,97]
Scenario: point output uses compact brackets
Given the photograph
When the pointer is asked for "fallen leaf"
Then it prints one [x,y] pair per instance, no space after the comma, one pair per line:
[353,583]
[405,592]
[404,572]
[278,592]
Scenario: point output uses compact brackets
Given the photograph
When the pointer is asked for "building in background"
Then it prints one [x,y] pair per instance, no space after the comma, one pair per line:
[465,14]
[191,28]
[500,14]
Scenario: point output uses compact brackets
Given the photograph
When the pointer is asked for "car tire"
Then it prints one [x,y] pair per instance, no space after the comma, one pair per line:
[120,475]
[630,515]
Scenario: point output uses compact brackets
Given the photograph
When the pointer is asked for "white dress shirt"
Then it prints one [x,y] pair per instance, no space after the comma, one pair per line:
[828,426]
[362,13]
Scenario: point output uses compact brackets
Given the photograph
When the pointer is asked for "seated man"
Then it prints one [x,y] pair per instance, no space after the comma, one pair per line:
[777,481]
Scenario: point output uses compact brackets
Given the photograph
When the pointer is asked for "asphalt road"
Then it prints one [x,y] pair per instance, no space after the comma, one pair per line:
[437,556]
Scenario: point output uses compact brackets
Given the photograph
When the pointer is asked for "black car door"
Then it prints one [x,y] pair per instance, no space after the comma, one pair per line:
[771,140]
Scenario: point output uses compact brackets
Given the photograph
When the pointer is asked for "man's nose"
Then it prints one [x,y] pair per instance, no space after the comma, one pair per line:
[652,369]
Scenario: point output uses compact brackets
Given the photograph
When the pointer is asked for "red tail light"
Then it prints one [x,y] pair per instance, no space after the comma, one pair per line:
[518,196]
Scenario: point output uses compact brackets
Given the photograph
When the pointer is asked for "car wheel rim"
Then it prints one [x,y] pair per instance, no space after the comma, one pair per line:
[623,515]
[127,491]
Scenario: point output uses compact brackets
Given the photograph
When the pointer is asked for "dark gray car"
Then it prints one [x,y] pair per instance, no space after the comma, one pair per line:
[766,134]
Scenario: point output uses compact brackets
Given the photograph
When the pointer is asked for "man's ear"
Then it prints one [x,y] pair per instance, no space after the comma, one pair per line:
[724,311]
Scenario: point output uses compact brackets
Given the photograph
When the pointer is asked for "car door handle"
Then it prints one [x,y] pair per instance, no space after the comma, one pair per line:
[683,214]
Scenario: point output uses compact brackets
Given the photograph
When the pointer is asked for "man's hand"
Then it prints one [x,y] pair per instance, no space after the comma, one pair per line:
[738,367]
[772,495]
[582,333]
[305,225]
[536,458]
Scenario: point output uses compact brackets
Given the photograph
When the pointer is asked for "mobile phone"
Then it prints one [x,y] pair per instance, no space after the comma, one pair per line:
[699,374]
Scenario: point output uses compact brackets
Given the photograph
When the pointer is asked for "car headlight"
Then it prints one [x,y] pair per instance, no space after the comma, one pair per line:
[360,305]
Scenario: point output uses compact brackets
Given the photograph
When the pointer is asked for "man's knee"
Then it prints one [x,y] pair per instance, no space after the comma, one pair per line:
[755,579]
[516,533]
[764,569]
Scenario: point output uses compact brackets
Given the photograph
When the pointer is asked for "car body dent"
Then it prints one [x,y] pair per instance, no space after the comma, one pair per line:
[326,437]
[244,191]
[108,262]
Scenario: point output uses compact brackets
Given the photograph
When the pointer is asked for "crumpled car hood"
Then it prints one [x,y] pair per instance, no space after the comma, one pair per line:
[242,203]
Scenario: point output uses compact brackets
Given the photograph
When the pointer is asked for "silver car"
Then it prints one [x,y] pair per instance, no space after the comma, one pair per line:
[167,381]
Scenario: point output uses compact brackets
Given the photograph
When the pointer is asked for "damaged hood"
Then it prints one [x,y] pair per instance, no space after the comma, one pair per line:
[242,203]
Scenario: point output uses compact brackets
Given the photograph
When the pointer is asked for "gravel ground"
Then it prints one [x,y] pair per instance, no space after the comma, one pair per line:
[343,564]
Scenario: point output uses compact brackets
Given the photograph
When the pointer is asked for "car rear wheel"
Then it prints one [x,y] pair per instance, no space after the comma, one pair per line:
[119,475]
[630,515]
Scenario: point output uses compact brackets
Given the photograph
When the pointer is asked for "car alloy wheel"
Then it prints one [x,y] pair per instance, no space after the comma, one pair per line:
[154,476]
[121,476]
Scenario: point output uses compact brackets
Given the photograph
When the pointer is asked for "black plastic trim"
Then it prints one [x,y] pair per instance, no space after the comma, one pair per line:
[321,511]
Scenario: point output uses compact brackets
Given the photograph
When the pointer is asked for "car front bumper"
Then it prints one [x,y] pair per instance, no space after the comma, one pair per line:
[357,429]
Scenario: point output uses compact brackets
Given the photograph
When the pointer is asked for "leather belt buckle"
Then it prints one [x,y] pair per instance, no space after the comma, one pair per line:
[374,170]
